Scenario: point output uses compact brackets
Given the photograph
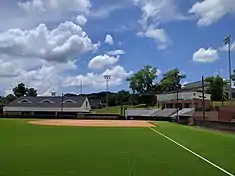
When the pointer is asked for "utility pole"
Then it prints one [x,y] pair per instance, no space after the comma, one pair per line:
[203,97]
[62,102]
[121,107]
[81,87]
[227,41]
[107,78]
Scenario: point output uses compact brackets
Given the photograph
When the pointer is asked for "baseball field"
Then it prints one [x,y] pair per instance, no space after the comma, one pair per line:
[106,149]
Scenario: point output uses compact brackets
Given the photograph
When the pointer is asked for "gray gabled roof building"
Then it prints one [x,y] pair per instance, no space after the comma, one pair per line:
[49,104]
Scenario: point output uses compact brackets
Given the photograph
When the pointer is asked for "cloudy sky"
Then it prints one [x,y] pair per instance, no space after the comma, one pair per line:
[56,44]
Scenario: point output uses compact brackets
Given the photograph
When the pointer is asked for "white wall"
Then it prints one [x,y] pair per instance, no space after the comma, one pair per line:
[88,107]
[198,95]
[45,109]
[83,108]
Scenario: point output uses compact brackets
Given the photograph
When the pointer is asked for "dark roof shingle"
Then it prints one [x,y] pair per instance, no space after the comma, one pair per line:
[48,101]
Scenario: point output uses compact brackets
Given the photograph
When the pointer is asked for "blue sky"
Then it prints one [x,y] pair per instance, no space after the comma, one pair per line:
[163,33]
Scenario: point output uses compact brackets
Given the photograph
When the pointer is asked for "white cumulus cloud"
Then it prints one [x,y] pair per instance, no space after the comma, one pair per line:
[225,47]
[159,35]
[56,5]
[40,74]
[155,12]
[116,52]
[81,20]
[109,39]
[95,80]
[60,44]
[101,61]
[211,11]
[206,55]
[32,6]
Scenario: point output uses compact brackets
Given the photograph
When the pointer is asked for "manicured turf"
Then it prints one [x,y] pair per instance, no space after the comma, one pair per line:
[27,149]
[108,110]
[226,103]
[117,109]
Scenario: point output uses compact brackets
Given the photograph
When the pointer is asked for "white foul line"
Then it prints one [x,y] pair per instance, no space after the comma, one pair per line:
[211,163]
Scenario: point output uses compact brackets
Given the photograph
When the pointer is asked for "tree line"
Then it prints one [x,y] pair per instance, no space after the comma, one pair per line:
[144,86]
[18,91]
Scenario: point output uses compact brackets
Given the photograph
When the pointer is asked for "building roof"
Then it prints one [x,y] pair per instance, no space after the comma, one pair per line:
[197,86]
[187,95]
[47,101]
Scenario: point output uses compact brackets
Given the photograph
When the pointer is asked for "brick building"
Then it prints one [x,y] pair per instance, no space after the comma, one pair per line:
[187,99]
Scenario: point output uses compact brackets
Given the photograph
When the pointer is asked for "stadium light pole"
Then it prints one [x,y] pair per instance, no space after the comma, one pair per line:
[227,41]
[107,78]
[81,87]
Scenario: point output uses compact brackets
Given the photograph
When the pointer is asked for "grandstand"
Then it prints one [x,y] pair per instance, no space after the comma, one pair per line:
[167,112]
[184,112]
[141,112]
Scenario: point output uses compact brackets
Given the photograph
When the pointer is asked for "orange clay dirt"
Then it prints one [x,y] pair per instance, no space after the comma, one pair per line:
[107,123]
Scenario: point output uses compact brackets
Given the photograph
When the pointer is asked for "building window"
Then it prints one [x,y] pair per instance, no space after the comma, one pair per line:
[24,101]
[86,103]
[46,101]
[69,101]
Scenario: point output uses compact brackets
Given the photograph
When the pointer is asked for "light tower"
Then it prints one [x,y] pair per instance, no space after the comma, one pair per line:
[107,78]
[227,41]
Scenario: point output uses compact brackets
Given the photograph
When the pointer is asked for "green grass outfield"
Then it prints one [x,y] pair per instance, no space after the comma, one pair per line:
[117,109]
[27,149]
[226,103]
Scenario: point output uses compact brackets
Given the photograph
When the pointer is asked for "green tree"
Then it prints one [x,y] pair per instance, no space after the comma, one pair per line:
[19,90]
[133,100]
[31,92]
[156,89]
[216,87]
[171,80]
[122,97]
[2,101]
[143,80]
[22,90]
[9,98]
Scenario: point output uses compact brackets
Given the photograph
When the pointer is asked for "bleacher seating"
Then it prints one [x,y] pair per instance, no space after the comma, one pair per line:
[167,112]
[141,112]
[150,112]
[184,112]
